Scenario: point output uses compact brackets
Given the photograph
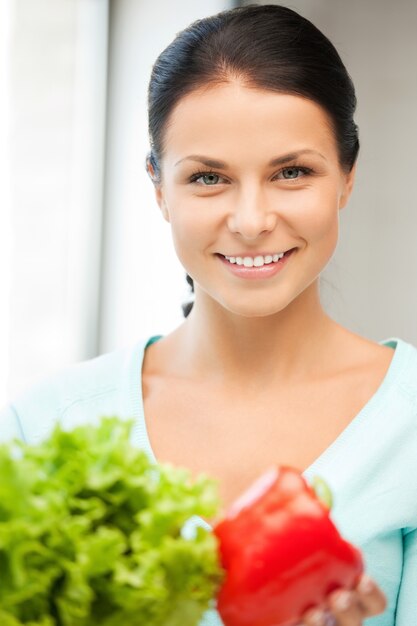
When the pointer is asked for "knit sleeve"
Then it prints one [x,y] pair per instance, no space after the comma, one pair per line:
[407,596]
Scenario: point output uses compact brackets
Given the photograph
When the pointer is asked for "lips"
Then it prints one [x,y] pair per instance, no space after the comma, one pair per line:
[256,272]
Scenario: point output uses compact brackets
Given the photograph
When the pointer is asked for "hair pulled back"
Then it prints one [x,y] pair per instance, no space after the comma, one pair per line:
[267,47]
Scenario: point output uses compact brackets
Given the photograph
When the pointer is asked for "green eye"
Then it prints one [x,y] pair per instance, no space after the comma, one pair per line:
[210,178]
[291,172]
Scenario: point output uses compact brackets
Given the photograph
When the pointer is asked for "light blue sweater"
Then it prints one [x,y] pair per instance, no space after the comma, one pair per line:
[371,467]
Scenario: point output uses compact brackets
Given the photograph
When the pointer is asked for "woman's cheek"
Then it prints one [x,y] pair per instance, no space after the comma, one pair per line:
[189,234]
[316,215]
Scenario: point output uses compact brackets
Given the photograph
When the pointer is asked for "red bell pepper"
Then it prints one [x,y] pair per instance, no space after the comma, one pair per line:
[281,553]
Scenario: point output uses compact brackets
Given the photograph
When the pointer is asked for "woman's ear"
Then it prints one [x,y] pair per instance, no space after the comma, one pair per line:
[151,170]
[159,195]
[347,187]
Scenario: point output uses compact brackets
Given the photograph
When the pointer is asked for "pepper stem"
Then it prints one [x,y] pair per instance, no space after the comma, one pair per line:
[323,491]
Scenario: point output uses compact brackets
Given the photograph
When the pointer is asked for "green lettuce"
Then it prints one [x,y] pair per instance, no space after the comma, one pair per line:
[91,533]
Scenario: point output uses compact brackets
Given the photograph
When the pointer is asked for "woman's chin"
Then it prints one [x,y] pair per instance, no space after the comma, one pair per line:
[255,309]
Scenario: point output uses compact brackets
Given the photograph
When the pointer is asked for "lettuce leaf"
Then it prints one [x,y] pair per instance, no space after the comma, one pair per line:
[90,533]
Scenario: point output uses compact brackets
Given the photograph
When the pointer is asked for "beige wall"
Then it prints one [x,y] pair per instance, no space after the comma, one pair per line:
[373,274]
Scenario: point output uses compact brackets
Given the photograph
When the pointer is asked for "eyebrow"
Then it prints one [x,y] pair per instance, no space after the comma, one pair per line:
[291,156]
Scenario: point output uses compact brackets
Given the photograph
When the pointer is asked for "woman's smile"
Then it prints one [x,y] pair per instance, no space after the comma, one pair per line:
[258,267]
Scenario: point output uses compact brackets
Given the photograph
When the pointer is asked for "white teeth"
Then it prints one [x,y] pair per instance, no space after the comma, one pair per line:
[257,261]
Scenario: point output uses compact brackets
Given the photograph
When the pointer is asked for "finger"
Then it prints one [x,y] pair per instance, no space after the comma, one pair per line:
[371,597]
[346,608]
[349,608]
[318,617]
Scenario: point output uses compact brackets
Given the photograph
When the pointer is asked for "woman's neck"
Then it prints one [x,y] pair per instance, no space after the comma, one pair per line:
[220,347]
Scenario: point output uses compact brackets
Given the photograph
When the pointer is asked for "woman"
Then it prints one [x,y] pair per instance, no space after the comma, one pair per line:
[254,151]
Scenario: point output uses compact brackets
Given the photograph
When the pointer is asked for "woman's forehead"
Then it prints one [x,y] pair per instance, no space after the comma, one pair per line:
[235,115]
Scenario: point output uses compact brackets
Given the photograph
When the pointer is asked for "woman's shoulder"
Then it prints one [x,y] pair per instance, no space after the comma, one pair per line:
[80,393]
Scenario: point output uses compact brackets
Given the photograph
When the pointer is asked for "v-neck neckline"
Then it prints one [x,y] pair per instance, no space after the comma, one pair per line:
[395,366]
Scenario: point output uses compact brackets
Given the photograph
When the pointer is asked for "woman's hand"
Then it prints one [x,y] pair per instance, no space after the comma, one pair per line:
[349,608]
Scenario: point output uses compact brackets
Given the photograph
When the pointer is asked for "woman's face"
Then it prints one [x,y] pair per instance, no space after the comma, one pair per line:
[247,206]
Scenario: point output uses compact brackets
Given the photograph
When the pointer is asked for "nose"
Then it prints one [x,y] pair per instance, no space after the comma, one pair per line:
[251,216]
